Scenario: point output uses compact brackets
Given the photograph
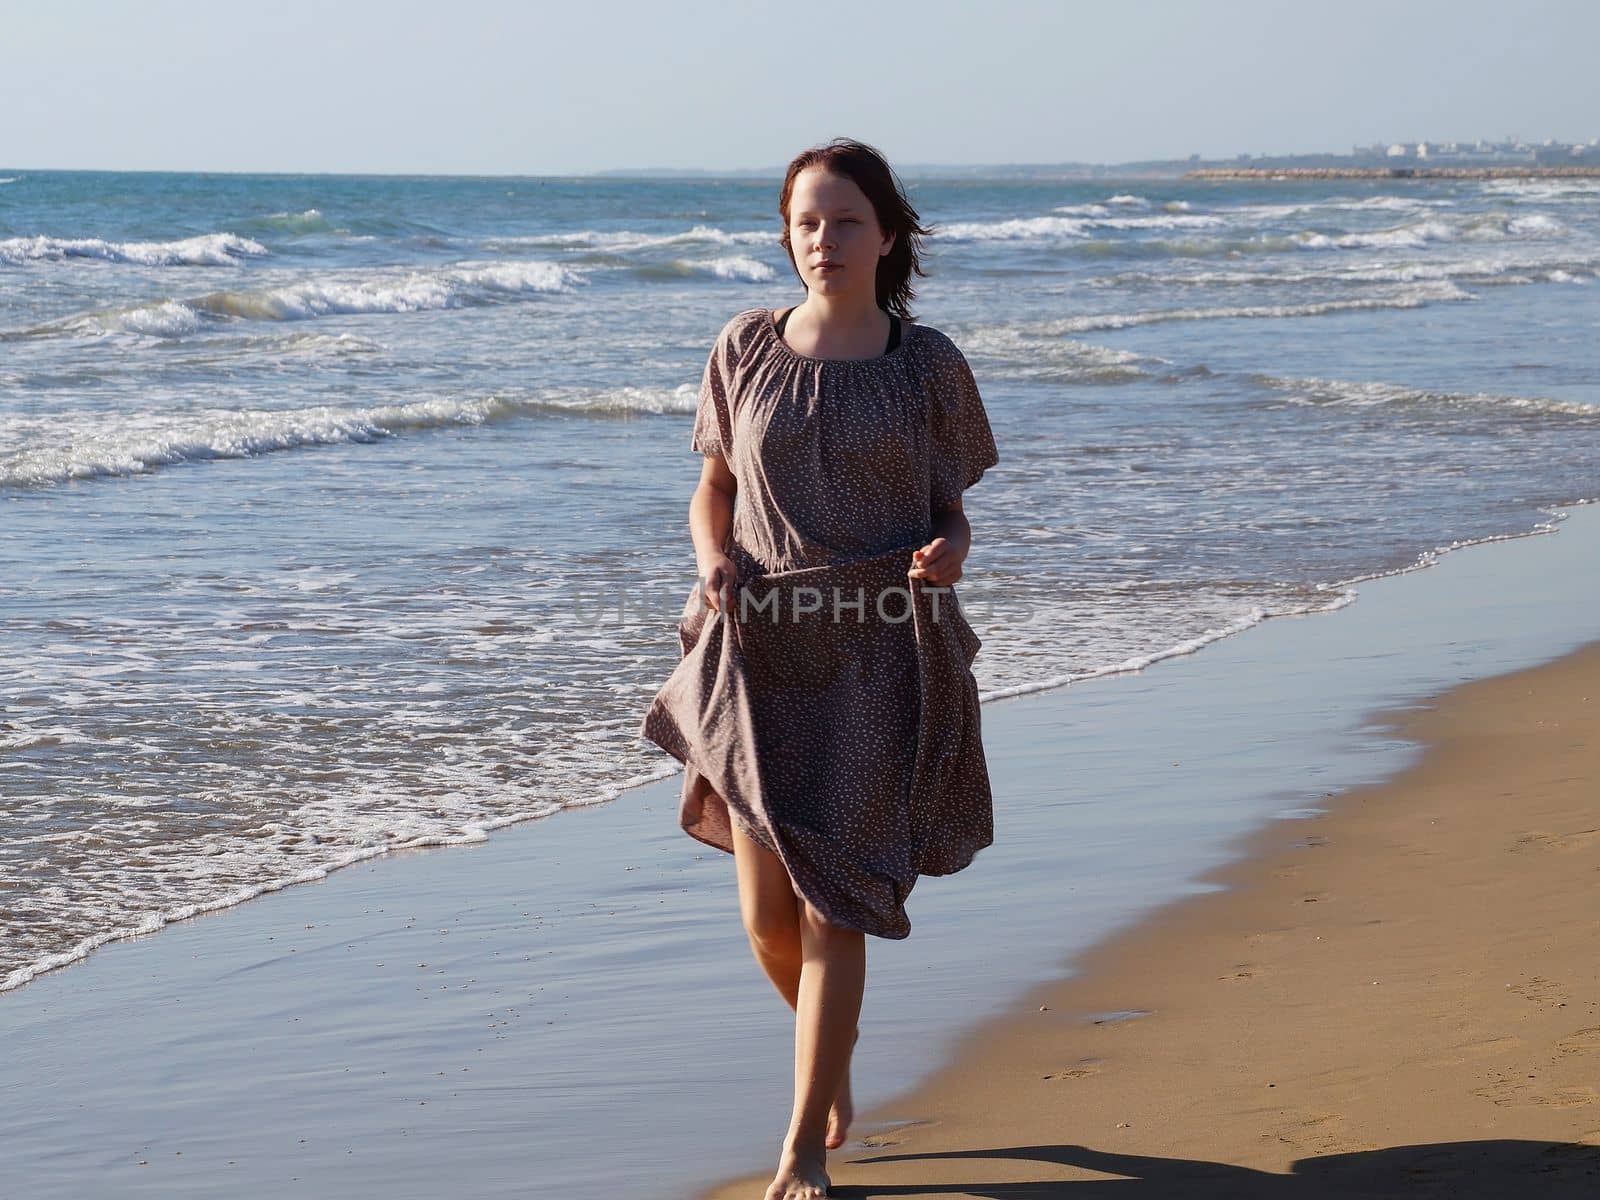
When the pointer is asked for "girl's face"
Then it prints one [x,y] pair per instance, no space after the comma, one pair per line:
[834,234]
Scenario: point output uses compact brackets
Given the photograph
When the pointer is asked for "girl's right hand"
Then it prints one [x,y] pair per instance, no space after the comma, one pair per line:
[718,576]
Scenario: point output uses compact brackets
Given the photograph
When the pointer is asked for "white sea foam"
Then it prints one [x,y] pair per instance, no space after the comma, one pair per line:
[1348,394]
[728,266]
[1011,354]
[80,447]
[383,292]
[310,220]
[1501,268]
[1336,209]
[1412,297]
[9,179]
[1543,191]
[18,734]
[1088,219]
[1170,221]
[410,834]
[1399,203]
[623,241]
[1254,616]
[1015,229]
[1481,227]
[206,250]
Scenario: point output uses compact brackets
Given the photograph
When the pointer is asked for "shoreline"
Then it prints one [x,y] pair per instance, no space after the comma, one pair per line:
[152,923]
[536,1006]
[1431,1026]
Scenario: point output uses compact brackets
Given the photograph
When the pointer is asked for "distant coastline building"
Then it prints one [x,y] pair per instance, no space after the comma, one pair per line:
[1420,157]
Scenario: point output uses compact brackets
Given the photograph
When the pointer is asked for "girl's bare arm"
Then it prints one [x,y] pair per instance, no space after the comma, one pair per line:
[710,521]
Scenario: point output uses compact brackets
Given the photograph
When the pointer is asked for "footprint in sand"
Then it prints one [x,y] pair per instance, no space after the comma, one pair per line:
[1503,1092]
[1323,1134]
[1569,1097]
[1241,971]
[1539,839]
[891,1137]
[1074,1073]
[1272,937]
[1467,1051]
[1539,989]
[1340,1077]
[1581,1042]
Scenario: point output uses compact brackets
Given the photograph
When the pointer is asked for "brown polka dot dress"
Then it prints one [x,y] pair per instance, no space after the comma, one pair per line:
[832,712]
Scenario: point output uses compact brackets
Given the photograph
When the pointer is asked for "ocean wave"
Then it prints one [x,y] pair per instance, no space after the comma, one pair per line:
[9,179]
[1009,353]
[309,221]
[1500,269]
[1344,393]
[1170,221]
[731,266]
[90,445]
[1082,225]
[1414,297]
[1540,191]
[1264,213]
[622,241]
[459,286]
[1392,202]
[206,250]
[1481,227]
[1014,229]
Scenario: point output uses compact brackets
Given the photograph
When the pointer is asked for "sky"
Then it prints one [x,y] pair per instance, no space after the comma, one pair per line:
[497,87]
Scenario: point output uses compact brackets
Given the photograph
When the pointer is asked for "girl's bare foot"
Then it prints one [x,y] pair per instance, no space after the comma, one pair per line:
[799,1178]
[842,1112]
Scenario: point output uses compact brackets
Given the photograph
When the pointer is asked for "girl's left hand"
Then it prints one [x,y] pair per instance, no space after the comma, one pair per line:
[936,563]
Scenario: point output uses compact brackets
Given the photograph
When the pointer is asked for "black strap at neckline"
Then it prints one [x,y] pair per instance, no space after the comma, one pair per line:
[894,328]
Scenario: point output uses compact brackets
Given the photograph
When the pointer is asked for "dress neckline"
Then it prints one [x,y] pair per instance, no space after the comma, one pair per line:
[769,320]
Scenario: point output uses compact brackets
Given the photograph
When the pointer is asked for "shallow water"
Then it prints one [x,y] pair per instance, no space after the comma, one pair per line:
[304,481]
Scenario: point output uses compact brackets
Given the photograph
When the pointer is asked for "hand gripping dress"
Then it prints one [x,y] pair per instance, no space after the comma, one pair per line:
[832,712]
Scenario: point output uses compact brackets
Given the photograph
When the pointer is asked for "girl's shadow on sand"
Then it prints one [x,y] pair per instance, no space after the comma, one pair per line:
[1482,1170]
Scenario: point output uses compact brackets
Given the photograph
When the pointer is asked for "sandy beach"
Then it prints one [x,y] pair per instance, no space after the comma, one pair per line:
[1400,997]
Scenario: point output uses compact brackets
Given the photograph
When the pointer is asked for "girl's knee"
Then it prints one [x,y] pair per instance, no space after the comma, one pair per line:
[773,927]
[820,925]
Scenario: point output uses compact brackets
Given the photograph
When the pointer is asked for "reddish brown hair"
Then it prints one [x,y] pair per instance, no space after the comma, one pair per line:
[860,162]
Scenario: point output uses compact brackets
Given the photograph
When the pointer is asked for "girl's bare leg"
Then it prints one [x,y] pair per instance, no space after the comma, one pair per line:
[772,914]
[833,976]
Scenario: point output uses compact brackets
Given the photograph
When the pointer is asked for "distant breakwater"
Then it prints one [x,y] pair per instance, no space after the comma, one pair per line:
[1393,173]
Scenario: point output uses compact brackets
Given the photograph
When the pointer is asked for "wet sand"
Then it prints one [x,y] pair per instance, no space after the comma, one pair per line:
[1398,997]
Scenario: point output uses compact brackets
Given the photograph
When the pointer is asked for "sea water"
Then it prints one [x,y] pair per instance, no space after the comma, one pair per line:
[308,484]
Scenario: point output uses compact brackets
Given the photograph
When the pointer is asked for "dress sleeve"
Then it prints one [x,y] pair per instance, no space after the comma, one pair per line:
[961,444]
[713,420]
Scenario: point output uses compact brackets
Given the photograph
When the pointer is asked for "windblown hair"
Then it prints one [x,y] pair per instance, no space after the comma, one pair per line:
[863,164]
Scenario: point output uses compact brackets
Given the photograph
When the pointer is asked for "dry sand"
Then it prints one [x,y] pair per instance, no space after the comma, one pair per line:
[1399,997]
